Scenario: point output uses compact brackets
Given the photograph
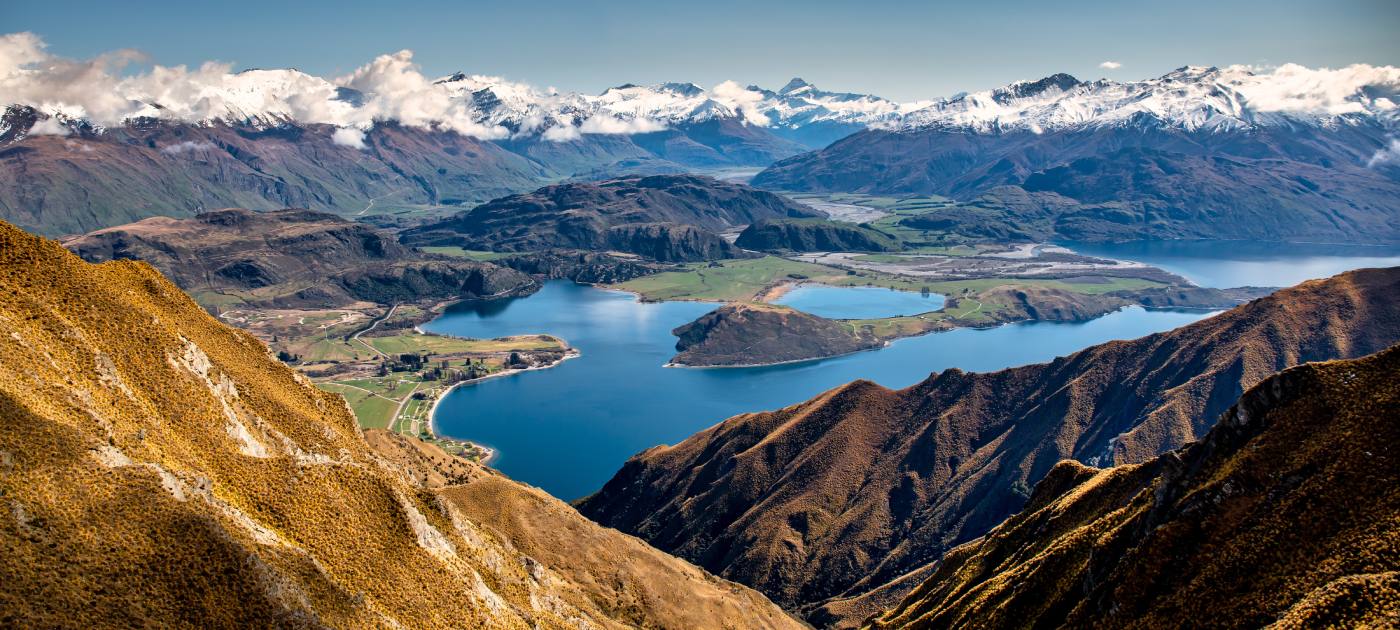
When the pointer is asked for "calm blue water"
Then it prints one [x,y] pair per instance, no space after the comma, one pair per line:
[1224,264]
[858,302]
[569,428]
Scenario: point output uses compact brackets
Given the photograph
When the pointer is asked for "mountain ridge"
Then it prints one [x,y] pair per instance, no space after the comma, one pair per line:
[824,503]
[664,217]
[1229,528]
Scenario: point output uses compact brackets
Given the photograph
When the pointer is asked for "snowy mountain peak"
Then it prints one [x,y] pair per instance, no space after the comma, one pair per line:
[794,85]
[392,87]
[1191,98]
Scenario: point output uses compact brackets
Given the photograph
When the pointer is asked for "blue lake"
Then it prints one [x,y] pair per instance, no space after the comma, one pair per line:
[1224,264]
[858,302]
[567,429]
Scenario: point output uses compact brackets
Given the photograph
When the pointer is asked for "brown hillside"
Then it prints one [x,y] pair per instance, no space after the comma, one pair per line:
[825,505]
[293,258]
[1287,512]
[159,469]
[746,334]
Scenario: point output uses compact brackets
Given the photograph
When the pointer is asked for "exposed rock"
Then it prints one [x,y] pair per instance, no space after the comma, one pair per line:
[582,266]
[670,242]
[814,235]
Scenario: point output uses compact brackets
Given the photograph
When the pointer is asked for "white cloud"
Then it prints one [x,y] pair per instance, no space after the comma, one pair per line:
[1386,155]
[49,127]
[349,137]
[187,146]
[1110,65]
[562,133]
[1293,88]
[603,124]
[742,100]
[394,89]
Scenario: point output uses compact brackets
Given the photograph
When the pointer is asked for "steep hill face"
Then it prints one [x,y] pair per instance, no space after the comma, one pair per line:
[747,334]
[293,257]
[87,180]
[1284,513]
[581,215]
[823,503]
[670,242]
[814,235]
[158,467]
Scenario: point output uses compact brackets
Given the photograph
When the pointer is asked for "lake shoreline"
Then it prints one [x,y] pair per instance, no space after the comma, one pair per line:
[491,452]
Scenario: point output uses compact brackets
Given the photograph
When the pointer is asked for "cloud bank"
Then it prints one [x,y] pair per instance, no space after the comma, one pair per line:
[113,87]
[1387,155]
[349,137]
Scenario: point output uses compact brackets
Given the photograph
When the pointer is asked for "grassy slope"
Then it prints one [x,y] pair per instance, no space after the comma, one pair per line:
[158,467]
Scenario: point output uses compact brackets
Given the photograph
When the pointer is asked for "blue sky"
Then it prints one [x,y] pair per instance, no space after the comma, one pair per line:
[903,50]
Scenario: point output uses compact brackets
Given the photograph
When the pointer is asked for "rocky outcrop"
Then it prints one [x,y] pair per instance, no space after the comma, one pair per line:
[761,334]
[582,215]
[1284,513]
[582,266]
[670,242]
[159,467]
[814,235]
[826,502]
[433,280]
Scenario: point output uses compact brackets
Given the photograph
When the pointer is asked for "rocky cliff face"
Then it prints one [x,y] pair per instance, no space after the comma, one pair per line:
[670,242]
[581,215]
[295,258]
[1284,513]
[158,467]
[814,235]
[829,506]
[751,334]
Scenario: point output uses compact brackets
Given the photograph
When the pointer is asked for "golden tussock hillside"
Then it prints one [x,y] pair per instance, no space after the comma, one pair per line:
[158,468]
[1286,513]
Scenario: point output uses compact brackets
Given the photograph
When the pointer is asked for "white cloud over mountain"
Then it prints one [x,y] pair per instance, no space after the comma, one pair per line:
[393,87]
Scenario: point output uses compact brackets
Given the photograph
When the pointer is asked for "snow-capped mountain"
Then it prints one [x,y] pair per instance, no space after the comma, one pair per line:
[641,109]
[392,88]
[1287,154]
[1189,98]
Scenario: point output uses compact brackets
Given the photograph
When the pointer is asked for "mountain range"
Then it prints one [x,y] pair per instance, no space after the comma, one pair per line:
[1197,153]
[1067,158]
[837,507]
